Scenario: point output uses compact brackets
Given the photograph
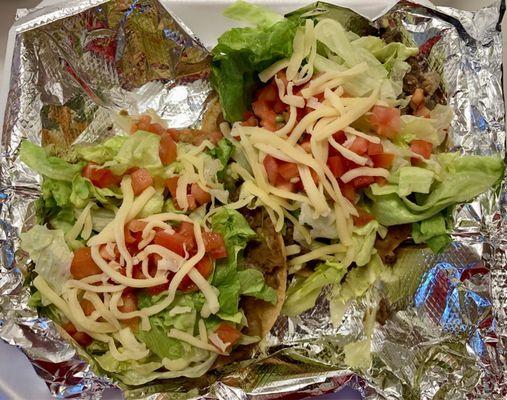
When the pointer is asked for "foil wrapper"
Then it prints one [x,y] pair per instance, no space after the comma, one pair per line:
[441,329]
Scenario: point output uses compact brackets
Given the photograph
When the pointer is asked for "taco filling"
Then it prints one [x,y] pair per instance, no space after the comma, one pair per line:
[138,258]
[342,137]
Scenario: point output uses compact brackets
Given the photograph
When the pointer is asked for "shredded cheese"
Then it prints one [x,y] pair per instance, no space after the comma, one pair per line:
[192,340]
[364,171]
[273,69]
[318,253]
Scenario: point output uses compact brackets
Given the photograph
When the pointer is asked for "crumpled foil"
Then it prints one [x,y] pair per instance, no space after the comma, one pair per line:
[441,329]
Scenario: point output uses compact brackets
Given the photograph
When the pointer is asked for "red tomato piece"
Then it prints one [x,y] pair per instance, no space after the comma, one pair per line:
[383,160]
[154,290]
[214,244]
[375,148]
[156,128]
[265,113]
[340,137]
[205,268]
[336,165]
[363,218]
[142,124]
[380,180]
[69,328]
[228,333]
[141,179]
[87,306]
[315,177]
[386,121]
[271,168]
[359,146]
[83,339]
[129,305]
[180,240]
[100,177]
[421,147]
[200,195]
[288,170]
[137,225]
[172,184]
[348,191]
[279,107]
[363,181]
[168,151]
[268,93]
[83,265]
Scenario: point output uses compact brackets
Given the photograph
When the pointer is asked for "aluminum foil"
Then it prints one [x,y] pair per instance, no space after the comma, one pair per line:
[441,329]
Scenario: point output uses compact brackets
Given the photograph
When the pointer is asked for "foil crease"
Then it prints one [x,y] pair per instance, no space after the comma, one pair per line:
[443,333]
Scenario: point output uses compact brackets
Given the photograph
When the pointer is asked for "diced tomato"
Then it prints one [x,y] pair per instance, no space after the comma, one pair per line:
[228,333]
[178,241]
[129,305]
[271,168]
[359,146]
[288,170]
[156,128]
[80,337]
[87,306]
[186,229]
[336,165]
[380,180]
[105,254]
[192,204]
[384,160]
[265,113]
[83,339]
[137,225]
[141,179]
[172,184]
[130,238]
[83,265]
[340,137]
[205,268]
[154,290]
[375,148]
[69,328]
[214,244]
[348,191]
[386,121]
[421,147]
[363,181]
[168,151]
[279,107]
[200,195]
[315,176]
[268,93]
[142,124]
[363,218]
[100,177]
[251,121]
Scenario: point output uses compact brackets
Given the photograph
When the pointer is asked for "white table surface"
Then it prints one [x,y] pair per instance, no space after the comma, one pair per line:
[18,380]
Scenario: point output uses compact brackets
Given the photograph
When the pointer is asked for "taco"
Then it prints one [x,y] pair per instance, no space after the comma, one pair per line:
[140,258]
[342,129]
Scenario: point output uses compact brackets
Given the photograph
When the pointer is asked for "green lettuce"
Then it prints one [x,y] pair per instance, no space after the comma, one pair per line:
[49,252]
[228,279]
[432,231]
[83,191]
[462,178]
[303,294]
[252,284]
[100,153]
[48,166]
[252,14]
[243,52]
[138,150]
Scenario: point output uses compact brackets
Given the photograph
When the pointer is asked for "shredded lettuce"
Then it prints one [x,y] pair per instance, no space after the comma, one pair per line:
[462,178]
[252,284]
[49,252]
[138,150]
[101,153]
[252,14]
[303,294]
[243,52]
[432,231]
[48,166]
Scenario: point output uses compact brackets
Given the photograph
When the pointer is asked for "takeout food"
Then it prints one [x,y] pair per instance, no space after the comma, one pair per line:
[160,251]
[140,262]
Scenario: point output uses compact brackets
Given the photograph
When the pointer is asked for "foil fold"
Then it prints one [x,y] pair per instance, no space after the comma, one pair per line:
[444,333]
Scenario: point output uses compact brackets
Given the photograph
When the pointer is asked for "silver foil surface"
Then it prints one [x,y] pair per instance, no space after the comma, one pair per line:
[443,330]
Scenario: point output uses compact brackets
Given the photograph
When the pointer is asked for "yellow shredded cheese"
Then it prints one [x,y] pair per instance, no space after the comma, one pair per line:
[364,171]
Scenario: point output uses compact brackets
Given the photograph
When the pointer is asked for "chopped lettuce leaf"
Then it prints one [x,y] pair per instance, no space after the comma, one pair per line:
[432,231]
[154,206]
[83,191]
[252,14]
[100,153]
[236,233]
[239,55]
[302,295]
[414,180]
[49,252]
[252,284]
[50,167]
[138,150]
[59,190]
[463,178]
[101,217]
